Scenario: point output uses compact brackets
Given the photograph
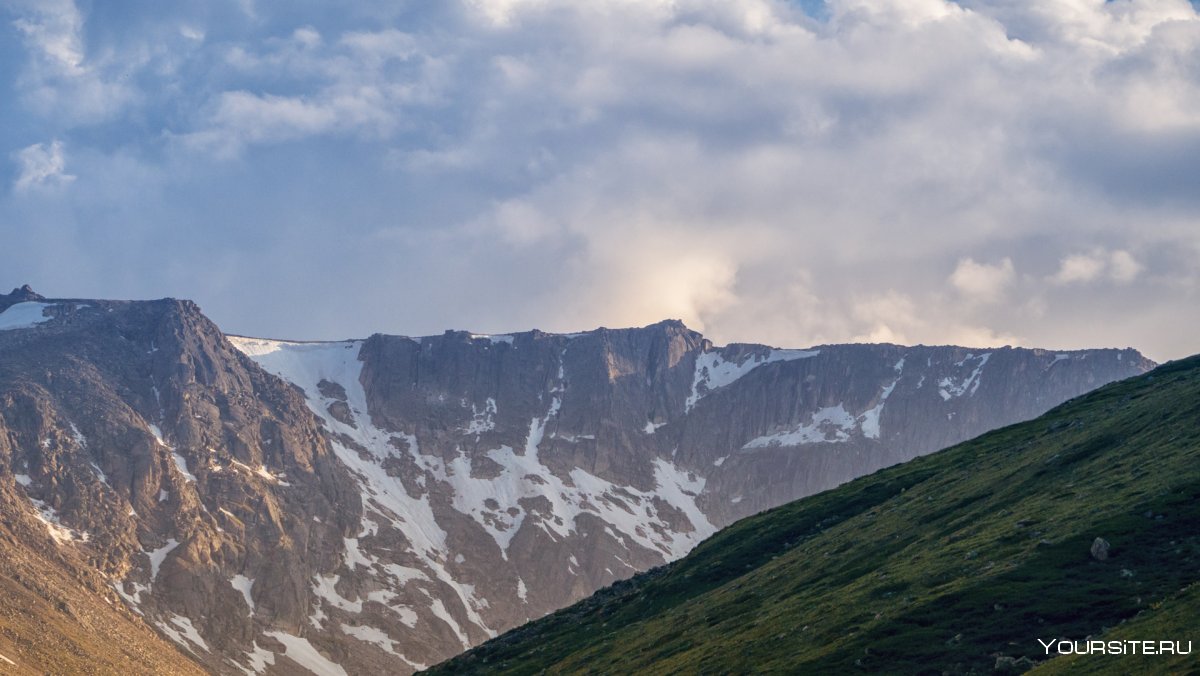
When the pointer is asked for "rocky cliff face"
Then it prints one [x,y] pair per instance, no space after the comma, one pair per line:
[199,487]
[382,504]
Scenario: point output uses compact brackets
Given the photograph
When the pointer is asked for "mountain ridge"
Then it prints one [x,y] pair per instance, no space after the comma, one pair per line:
[386,502]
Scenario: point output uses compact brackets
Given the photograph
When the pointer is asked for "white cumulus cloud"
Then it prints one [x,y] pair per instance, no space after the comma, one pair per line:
[1082,268]
[981,281]
[41,165]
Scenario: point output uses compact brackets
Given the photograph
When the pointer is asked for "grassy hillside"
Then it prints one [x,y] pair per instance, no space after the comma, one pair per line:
[956,562]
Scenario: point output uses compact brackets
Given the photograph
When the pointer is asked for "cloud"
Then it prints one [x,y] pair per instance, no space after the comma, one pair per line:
[1083,268]
[53,30]
[349,88]
[41,166]
[981,171]
[982,282]
[1122,267]
[59,80]
[1080,268]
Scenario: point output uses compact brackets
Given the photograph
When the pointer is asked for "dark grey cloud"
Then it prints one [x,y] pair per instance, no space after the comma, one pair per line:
[981,172]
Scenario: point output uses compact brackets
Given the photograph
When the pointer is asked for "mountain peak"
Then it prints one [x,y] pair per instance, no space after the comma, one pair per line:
[24,293]
[20,294]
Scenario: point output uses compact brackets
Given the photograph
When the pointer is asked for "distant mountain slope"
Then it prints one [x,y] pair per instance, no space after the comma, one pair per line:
[505,476]
[957,562]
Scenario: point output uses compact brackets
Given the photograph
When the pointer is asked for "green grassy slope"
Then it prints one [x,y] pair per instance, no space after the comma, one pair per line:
[1176,618]
[956,562]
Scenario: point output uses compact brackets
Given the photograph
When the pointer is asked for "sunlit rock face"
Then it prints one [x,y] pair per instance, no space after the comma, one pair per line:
[381,504]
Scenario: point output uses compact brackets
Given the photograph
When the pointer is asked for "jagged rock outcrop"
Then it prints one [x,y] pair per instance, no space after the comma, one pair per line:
[383,504]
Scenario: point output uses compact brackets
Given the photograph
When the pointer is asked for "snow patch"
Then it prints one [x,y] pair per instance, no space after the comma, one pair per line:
[714,372]
[439,611]
[869,420]
[159,555]
[482,421]
[354,555]
[832,424]
[181,465]
[23,479]
[100,474]
[24,315]
[133,599]
[368,634]
[302,652]
[259,659]
[384,597]
[949,388]
[80,440]
[325,586]
[158,435]
[183,633]
[244,585]
[262,472]
[58,531]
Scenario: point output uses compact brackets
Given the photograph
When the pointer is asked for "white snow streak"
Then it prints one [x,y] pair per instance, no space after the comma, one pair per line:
[259,659]
[159,555]
[181,465]
[870,418]
[183,633]
[302,652]
[244,585]
[949,387]
[439,611]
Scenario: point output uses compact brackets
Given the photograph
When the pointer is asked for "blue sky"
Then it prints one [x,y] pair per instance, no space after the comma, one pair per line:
[982,172]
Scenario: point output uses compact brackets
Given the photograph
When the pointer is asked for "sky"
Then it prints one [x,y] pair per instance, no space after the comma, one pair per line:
[983,173]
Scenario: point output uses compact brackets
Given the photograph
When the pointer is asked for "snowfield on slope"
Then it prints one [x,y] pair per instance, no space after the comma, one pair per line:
[630,515]
[24,315]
